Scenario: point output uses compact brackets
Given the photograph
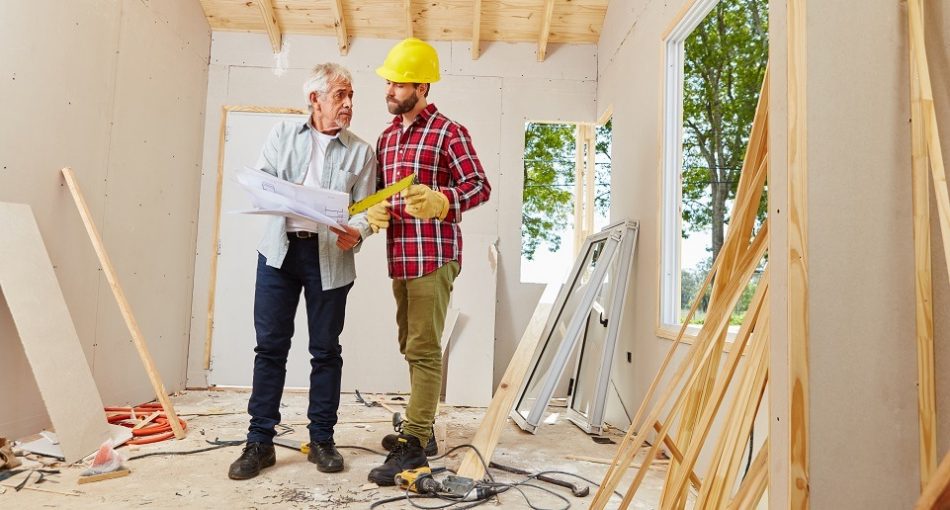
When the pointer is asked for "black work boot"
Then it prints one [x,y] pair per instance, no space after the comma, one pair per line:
[389,441]
[325,455]
[406,454]
[254,458]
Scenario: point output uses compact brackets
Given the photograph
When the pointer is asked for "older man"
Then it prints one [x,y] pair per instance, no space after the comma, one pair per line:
[300,255]
[423,240]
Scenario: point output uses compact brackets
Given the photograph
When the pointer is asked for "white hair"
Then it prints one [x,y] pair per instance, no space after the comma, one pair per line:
[320,78]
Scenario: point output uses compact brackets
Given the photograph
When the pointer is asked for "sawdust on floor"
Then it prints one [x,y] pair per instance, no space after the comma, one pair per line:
[200,480]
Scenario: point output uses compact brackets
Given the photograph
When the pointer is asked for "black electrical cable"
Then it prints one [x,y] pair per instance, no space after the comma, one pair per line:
[217,446]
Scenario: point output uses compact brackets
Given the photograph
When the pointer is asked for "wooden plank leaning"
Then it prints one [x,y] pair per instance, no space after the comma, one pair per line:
[137,338]
[923,278]
[489,431]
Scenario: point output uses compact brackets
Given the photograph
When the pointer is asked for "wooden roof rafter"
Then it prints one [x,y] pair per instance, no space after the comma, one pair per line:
[545,29]
[270,23]
[339,22]
[408,9]
[476,29]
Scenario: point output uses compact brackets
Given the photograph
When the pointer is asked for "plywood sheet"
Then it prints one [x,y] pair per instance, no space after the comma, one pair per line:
[46,331]
[471,363]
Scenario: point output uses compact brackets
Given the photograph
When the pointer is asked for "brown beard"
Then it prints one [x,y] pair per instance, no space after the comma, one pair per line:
[402,107]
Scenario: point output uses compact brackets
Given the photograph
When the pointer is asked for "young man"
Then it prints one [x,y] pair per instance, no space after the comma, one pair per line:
[297,255]
[423,239]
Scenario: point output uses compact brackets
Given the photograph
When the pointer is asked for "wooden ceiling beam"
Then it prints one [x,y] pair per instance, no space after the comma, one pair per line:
[545,29]
[408,9]
[342,38]
[477,30]
[270,23]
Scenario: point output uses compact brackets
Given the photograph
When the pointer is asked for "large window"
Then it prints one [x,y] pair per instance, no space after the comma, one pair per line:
[566,195]
[715,61]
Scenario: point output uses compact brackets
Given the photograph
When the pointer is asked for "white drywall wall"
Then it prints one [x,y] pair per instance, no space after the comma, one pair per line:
[116,90]
[492,96]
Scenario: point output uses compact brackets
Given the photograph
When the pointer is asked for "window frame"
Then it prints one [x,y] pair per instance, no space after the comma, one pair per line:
[671,167]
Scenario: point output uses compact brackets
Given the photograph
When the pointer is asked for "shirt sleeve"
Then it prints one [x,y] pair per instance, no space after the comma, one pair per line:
[267,162]
[471,186]
[364,186]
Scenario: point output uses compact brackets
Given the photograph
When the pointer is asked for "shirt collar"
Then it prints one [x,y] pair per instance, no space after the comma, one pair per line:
[423,116]
[344,136]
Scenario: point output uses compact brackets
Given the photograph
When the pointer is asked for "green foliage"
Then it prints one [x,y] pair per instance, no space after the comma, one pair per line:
[726,56]
[548,196]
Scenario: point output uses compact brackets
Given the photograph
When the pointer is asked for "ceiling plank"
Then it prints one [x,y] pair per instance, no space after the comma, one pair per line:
[270,23]
[545,29]
[408,8]
[477,30]
[339,23]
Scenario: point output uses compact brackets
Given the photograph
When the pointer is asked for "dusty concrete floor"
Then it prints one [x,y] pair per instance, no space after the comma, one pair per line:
[200,480]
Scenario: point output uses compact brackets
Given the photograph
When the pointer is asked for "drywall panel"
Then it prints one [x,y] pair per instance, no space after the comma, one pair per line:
[520,60]
[469,373]
[779,430]
[32,296]
[60,97]
[862,360]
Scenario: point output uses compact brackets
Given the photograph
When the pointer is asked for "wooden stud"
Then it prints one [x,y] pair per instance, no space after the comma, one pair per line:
[496,416]
[545,29]
[407,7]
[579,236]
[755,482]
[926,395]
[930,125]
[270,23]
[137,338]
[339,22]
[759,306]
[476,29]
[798,495]
[216,223]
[936,495]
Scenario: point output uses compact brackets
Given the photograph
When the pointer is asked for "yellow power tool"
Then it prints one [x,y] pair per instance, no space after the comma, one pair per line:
[418,480]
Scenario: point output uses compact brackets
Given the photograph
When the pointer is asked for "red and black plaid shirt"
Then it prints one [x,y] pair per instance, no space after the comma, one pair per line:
[440,153]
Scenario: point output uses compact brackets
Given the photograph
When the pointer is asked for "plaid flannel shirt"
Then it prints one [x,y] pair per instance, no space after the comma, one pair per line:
[440,153]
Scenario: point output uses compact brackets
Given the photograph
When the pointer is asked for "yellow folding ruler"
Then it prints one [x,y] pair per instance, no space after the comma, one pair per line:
[381,195]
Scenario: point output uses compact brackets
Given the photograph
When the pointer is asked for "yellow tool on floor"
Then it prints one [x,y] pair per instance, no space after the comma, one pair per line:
[382,194]
[302,447]
[418,480]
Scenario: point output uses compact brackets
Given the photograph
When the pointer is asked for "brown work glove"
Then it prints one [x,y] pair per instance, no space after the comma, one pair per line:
[7,459]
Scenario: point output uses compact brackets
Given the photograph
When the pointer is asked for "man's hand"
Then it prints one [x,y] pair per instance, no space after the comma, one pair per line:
[346,238]
[425,203]
[378,215]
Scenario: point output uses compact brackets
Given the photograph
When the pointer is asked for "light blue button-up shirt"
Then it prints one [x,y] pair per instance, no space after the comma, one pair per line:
[350,166]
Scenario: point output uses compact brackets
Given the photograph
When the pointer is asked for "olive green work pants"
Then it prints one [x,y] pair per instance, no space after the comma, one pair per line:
[421,304]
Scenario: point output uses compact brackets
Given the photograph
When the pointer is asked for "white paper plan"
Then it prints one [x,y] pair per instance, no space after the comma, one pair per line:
[277,197]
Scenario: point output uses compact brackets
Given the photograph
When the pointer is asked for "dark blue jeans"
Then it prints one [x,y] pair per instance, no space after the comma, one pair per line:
[276,296]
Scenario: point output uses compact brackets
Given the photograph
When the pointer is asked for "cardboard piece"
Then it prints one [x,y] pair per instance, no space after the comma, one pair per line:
[49,338]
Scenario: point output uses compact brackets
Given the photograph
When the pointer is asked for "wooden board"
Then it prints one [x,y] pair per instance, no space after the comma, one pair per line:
[572,21]
[49,339]
[489,430]
[137,338]
[797,269]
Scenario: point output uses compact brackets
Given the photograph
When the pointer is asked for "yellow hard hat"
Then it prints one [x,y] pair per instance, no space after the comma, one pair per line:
[411,61]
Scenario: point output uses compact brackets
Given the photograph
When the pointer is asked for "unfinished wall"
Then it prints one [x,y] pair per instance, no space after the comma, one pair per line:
[115,90]
[862,358]
[493,96]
